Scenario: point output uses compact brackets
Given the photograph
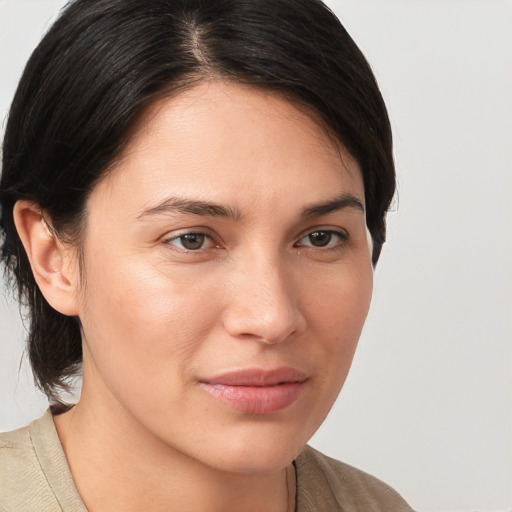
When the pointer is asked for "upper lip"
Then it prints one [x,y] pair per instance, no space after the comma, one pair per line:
[258,377]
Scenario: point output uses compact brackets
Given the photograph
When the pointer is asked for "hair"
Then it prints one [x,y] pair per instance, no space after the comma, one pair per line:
[104,62]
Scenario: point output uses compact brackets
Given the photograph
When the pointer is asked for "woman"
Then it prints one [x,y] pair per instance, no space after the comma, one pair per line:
[193,200]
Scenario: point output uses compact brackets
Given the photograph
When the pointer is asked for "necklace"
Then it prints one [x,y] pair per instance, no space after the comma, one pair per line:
[291,487]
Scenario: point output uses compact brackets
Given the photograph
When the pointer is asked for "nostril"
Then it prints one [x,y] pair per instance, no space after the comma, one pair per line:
[262,305]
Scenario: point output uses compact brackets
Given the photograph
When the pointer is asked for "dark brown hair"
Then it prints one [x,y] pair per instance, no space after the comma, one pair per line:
[104,61]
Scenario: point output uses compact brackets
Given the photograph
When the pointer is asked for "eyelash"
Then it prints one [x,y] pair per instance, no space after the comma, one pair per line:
[342,238]
[190,234]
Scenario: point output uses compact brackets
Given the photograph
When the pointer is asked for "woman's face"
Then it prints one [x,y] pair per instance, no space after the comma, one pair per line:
[227,279]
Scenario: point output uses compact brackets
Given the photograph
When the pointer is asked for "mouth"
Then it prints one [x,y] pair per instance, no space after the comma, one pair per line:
[257,391]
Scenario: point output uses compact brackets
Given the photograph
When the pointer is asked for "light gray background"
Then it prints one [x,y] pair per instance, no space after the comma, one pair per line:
[428,404]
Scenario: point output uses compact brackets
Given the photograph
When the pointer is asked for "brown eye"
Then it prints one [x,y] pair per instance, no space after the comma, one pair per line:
[320,238]
[191,241]
[323,238]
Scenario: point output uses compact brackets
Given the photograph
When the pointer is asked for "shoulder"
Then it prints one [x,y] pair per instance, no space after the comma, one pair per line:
[20,470]
[23,482]
[15,449]
[327,484]
[16,453]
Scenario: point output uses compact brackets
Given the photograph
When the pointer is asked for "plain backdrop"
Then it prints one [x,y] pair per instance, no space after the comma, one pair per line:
[428,404]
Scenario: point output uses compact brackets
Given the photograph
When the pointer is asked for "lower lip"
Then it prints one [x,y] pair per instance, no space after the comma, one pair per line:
[256,399]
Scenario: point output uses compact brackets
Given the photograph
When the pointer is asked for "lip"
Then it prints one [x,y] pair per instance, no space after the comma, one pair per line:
[257,391]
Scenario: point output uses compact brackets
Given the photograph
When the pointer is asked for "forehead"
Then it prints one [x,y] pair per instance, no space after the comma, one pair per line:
[218,139]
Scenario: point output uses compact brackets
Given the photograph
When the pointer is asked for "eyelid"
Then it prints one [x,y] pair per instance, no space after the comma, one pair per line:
[203,230]
[169,237]
[340,232]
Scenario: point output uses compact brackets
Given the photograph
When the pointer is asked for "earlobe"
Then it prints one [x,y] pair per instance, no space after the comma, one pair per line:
[50,261]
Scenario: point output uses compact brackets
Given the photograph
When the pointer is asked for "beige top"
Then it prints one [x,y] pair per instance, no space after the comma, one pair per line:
[35,477]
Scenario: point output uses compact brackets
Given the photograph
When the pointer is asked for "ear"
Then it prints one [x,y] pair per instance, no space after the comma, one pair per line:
[54,266]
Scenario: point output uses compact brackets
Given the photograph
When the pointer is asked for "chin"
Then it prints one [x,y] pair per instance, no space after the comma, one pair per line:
[259,452]
[259,461]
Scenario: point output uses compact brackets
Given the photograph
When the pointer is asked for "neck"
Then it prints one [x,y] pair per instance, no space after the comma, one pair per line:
[117,466]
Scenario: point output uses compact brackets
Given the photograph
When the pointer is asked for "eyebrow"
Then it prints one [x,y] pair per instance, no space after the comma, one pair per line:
[193,206]
[341,202]
[211,209]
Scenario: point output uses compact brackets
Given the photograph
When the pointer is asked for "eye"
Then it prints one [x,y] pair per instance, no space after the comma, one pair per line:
[323,238]
[191,241]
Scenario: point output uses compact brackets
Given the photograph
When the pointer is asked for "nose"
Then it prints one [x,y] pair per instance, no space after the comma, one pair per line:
[263,305]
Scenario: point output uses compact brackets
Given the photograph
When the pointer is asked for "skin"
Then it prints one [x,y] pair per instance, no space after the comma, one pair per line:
[258,293]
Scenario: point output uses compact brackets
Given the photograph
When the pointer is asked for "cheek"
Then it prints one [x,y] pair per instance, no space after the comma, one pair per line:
[140,321]
[339,303]
[337,316]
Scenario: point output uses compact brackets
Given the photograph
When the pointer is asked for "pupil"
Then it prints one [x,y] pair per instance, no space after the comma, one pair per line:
[320,238]
[192,241]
